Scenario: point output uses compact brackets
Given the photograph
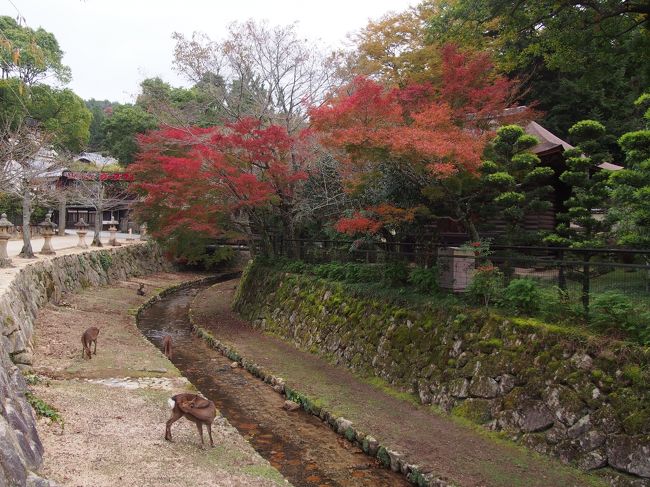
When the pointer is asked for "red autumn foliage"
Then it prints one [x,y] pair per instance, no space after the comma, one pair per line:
[374,218]
[434,130]
[204,179]
[357,224]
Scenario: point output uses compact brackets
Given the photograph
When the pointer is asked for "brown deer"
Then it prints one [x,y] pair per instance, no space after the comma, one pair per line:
[167,346]
[87,338]
[197,409]
[140,290]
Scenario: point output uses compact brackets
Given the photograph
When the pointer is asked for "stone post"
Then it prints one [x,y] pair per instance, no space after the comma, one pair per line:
[48,231]
[5,233]
[456,268]
[112,230]
[130,237]
[81,232]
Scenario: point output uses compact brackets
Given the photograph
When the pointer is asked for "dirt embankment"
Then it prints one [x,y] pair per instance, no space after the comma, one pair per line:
[115,406]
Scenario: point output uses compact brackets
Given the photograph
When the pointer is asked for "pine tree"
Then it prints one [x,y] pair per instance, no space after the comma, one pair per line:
[515,181]
[580,226]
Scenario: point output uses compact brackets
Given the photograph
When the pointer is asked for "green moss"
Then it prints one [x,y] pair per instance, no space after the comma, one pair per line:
[597,374]
[383,457]
[264,472]
[417,478]
[350,434]
[489,345]
[476,410]
[384,386]
[635,374]
[105,260]
[638,422]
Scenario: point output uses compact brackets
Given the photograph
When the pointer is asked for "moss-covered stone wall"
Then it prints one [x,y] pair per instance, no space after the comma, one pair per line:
[562,392]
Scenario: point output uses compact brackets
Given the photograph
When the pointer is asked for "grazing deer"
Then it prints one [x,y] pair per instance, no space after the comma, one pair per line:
[167,346]
[197,409]
[141,289]
[87,338]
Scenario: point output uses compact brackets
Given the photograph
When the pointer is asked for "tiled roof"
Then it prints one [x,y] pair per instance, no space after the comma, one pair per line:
[549,143]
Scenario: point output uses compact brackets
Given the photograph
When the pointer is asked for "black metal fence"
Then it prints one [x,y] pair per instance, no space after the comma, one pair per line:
[578,271]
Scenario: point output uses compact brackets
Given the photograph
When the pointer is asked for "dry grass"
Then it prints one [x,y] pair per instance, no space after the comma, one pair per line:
[114,427]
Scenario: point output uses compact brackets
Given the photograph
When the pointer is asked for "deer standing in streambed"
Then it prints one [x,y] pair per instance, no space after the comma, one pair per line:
[87,338]
[197,409]
[167,346]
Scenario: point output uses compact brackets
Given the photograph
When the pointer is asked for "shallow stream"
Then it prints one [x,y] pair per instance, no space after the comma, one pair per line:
[304,449]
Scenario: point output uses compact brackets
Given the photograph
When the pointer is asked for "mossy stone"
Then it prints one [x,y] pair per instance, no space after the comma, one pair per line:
[383,457]
[476,410]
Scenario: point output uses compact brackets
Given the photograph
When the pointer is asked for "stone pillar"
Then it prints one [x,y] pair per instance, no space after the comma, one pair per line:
[82,230]
[48,231]
[112,230]
[130,237]
[5,233]
[456,268]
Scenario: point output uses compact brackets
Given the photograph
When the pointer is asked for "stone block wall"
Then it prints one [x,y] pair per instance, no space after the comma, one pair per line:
[21,451]
[561,392]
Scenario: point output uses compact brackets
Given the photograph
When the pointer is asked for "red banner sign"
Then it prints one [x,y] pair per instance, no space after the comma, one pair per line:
[101,176]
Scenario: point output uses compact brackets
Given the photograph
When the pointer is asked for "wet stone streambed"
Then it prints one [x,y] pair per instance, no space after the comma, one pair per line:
[304,449]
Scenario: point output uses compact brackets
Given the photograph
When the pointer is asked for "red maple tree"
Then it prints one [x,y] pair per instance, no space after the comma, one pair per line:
[426,130]
[220,181]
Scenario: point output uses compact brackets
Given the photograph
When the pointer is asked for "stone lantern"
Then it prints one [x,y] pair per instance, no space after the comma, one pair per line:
[112,230]
[5,234]
[82,230]
[143,231]
[48,231]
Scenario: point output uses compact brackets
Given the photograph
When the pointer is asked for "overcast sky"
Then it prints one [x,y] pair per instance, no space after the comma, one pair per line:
[112,45]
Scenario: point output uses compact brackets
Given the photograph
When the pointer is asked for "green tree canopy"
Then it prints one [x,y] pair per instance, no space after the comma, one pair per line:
[120,129]
[59,112]
[98,109]
[181,106]
[631,187]
[30,54]
[577,60]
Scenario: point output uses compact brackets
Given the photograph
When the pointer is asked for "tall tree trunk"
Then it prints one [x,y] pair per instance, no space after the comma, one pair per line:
[467,222]
[99,216]
[27,251]
[472,231]
[62,215]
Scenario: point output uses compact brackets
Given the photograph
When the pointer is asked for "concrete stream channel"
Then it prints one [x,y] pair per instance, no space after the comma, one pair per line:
[304,449]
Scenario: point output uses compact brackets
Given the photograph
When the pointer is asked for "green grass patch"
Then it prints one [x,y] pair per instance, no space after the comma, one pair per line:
[43,409]
[384,386]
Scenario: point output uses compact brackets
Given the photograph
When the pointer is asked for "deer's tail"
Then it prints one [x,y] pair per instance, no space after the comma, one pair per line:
[172,402]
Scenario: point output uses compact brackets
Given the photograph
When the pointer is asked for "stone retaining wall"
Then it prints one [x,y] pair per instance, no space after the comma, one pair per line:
[561,392]
[21,451]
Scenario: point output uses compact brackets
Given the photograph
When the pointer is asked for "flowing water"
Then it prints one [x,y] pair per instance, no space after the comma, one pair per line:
[304,449]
